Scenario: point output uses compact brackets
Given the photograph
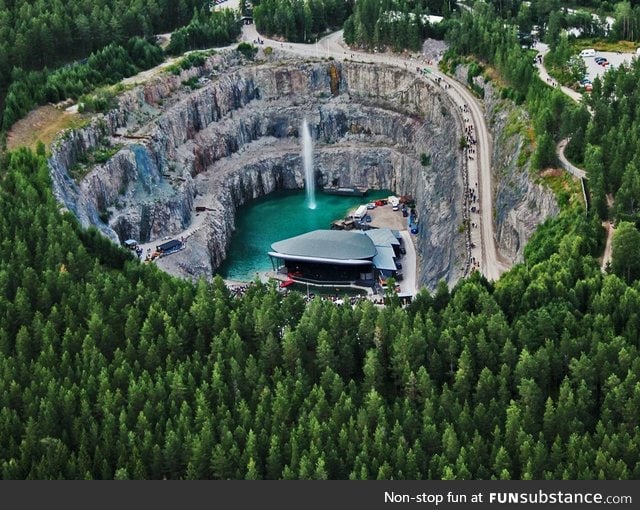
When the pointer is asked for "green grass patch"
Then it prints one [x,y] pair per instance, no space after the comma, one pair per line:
[604,45]
[567,190]
[101,100]
[247,50]
[193,59]
[524,157]
[516,124]
[103,154]
[192,83]
[96,156]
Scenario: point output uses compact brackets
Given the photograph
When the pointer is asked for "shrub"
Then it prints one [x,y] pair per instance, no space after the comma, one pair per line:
[248,50]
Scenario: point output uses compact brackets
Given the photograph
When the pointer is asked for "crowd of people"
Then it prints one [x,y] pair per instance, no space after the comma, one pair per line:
[538,61]
[469,136]
[470,198]
[470,195]
[336,299]
[471,202]
[437,79]
[238,290]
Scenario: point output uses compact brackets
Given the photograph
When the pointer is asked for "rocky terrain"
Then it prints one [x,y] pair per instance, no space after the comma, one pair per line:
[218,136]
[520,203]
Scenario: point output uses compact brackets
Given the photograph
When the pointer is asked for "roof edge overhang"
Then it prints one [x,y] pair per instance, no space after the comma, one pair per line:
[302,258]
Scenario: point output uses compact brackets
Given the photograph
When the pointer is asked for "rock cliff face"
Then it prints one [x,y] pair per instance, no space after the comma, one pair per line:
[520,203]
[235,138]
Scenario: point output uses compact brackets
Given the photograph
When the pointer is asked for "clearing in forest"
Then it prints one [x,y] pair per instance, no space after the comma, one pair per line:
[42,123]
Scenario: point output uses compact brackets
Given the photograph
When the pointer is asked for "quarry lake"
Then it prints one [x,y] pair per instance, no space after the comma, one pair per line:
[278,216]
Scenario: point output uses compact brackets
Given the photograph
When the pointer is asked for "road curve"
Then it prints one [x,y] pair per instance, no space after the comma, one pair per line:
[568,166]
[492,262]
[543,49]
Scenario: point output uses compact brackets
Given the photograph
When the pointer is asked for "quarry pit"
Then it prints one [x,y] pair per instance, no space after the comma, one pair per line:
[186,150]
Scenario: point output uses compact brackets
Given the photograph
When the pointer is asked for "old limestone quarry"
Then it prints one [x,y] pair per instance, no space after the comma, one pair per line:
[217,136]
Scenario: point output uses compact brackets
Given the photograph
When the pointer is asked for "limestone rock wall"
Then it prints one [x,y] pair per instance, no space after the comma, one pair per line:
[235,139]
[520,203]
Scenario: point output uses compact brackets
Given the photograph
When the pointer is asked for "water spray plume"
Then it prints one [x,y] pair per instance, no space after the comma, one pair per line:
[307,158]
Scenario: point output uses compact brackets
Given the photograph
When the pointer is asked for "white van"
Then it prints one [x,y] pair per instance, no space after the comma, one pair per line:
[360,213]
[588,53]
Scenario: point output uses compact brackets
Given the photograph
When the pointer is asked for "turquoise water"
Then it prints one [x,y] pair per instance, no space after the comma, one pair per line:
[278,216]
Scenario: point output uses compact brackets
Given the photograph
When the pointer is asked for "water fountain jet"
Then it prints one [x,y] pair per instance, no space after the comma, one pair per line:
[307,158]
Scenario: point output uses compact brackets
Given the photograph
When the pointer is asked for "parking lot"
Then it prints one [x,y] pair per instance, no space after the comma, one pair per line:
[614,58]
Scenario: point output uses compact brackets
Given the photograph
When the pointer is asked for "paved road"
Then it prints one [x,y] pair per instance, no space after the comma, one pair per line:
[568,166]
[606,256]
[492,263]
[409,283]
[571,168]
[543,49]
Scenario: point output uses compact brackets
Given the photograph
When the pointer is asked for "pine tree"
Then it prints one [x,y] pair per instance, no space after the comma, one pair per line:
[626,252]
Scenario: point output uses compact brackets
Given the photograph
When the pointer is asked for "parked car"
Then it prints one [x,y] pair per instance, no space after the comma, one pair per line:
[597,60]
[402,250]
[368,218]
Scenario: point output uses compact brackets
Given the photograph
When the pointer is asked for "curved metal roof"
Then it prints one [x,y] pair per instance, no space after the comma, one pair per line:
[328,244]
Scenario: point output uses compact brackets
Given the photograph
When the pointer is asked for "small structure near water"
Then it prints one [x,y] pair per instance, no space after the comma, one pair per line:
[131,244]
[338,256]
[348,191]
[168,247]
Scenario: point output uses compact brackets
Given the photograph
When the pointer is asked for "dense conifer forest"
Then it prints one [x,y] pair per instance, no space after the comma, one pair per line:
[110,368]
[394,24]
[115,35]
[298,20]
[607,143]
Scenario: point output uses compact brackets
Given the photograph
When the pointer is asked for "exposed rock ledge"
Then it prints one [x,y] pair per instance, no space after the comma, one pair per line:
[520,203]
[235,139]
